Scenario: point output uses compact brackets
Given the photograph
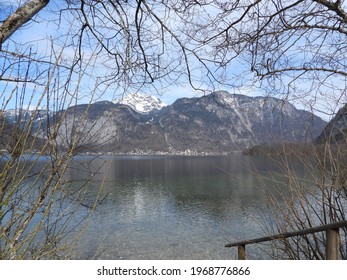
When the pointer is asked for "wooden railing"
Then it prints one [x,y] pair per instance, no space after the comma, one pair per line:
[332,239]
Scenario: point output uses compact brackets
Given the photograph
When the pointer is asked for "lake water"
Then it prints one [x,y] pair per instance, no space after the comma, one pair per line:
[168,207]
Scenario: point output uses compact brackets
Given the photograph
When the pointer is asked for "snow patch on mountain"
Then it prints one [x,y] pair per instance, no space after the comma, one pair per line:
[142,103]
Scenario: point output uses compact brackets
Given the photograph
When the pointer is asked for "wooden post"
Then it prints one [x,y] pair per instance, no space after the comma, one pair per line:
[332,244]
[241,252]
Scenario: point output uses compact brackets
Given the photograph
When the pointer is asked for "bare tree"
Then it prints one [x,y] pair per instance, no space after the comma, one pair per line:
[37,208]
[138,43]
[135,47]
[293,48]
[318,198]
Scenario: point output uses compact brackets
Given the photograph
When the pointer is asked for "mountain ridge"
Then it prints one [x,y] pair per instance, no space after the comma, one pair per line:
[142,103]
[216,123]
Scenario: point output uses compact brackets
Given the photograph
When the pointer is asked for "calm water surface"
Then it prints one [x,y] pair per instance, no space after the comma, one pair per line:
[175,207]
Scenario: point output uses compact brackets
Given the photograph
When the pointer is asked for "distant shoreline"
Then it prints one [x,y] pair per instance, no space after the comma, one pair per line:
[257,150]
[161,153]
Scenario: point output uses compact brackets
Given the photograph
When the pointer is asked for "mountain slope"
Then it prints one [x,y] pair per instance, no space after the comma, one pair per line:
[226,122]
[107,127]
[336,130]
[216,123]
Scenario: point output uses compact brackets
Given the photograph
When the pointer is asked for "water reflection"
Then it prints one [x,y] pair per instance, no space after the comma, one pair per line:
[173,207]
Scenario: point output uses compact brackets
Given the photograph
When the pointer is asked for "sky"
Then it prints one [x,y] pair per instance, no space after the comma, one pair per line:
[37,34]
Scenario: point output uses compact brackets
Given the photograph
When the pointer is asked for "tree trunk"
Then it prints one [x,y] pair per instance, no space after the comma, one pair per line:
[20,17]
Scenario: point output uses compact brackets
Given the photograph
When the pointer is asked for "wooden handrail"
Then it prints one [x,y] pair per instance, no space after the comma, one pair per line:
[332,231]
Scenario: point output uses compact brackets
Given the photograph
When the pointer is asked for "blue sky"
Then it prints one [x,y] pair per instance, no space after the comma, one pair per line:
[37,34]
[43,34]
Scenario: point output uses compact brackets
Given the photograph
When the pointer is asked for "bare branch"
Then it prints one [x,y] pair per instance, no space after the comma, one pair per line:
[21,16]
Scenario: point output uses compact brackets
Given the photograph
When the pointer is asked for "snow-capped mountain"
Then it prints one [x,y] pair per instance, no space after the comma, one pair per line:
[142,103]
[216,123]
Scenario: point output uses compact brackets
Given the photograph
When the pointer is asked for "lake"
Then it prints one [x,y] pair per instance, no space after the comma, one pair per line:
[174,207]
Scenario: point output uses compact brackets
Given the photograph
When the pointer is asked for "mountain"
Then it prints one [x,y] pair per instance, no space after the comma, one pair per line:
[141,103]
[216,123]
[106,126]
[336,130]
[15,133]
[225,122]
[24,115]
